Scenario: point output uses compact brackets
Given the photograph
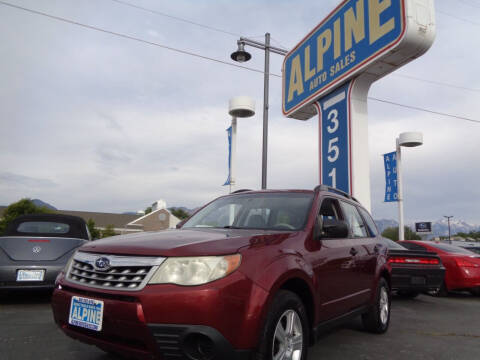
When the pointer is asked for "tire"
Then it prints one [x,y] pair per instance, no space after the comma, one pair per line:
[377,319]
[407,294]
[441,292]
[286,309]
[475,291]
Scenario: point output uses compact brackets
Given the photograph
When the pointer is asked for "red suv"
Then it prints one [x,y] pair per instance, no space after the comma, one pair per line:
[251,274]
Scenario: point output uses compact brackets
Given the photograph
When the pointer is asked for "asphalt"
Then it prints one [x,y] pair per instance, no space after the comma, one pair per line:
[423,328]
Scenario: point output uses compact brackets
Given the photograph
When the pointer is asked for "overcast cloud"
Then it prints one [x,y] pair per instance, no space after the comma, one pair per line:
[94,122]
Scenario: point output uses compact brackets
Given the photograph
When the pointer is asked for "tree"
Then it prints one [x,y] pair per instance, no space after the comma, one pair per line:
[179,213]
[392,234]
[93,231]
[148,210]
[108,231]
[21,207]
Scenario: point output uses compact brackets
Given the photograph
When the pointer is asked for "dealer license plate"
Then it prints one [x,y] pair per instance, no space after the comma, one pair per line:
[30,275]
[86,313]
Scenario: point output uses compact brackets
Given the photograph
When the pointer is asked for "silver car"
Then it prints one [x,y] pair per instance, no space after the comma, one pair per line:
[35,248]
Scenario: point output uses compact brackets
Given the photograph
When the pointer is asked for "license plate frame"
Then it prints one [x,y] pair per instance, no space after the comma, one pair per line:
[25,275]
[86,313]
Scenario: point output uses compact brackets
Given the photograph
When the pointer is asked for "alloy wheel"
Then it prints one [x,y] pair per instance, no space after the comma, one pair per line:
[288,337]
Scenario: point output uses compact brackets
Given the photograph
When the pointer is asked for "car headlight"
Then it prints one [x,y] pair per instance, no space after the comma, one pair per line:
[195,270]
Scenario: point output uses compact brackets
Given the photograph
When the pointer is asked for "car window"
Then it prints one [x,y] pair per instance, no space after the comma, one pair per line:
[392,245]
[451,249]
[354,220]
[43,227]
[372,228]
[329,209]
[414,246]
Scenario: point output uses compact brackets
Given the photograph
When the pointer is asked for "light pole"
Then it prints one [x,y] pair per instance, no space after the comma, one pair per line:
[238,107]
[241,56]
[407,139]
[448,220]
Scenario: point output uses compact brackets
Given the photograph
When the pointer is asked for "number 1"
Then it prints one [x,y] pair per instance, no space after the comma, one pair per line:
[333,175]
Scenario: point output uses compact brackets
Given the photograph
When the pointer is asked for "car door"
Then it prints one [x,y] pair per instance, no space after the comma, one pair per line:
[364,251]
[332,261]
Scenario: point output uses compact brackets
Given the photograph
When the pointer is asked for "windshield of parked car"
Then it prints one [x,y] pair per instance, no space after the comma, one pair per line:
[268,211]
[392,245]
[452,249]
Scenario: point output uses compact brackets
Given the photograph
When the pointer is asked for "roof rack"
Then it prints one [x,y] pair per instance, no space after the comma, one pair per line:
[323,187]
[241,190]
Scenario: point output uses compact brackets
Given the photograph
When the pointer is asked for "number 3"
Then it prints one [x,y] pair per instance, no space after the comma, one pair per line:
[333,117]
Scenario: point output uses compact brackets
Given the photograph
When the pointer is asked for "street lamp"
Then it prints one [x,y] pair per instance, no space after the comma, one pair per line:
[407,139]
[448,220]
[241,56]
[238,107]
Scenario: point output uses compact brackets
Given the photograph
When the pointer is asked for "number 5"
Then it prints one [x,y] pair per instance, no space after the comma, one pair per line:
[334,148]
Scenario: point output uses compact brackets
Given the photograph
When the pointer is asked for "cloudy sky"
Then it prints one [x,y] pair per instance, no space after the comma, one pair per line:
[96,122]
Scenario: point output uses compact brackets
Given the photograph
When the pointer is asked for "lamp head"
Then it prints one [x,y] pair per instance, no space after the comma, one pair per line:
[241,55]
[241,106]
[410,139]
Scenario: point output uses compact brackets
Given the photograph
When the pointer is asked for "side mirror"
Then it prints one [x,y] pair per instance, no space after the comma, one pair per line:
[334,229]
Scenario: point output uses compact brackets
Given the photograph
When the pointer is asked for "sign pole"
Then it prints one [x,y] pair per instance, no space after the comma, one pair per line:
[401,230]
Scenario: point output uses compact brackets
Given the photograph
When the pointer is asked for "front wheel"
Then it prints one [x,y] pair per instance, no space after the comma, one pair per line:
[286,330]
[377,319]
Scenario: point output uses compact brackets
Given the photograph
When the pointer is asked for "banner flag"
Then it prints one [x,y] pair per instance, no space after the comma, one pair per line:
[391,190]
[229,132]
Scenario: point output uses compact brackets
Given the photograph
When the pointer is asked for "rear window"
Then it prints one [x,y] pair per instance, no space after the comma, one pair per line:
[392,245]
[451,249]
[43,227]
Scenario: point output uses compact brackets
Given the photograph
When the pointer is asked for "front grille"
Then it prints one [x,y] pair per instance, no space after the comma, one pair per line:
[123,273]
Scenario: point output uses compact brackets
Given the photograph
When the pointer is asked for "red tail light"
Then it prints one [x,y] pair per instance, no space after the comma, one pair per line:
[462,262]
[408,260]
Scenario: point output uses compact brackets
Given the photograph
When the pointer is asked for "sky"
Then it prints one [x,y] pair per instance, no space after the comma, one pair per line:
[95,122]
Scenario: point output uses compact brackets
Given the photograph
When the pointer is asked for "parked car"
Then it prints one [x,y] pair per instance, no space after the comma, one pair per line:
[254,273]
[413,271]
[462,266]
[469,245]
[35,248]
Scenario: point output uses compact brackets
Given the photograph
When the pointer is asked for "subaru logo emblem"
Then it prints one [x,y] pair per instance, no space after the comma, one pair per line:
[36,249]
[102,263]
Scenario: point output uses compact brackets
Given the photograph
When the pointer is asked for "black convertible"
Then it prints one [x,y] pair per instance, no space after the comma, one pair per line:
[35,248]
[414,272]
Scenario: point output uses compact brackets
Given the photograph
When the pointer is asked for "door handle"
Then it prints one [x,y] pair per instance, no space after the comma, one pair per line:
[376,248]
[353,251]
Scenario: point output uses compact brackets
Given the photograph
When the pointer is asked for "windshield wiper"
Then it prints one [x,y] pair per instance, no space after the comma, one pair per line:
[231,227]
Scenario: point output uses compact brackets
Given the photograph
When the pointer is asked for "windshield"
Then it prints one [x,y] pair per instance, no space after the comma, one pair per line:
[392,245]
[272,211]
[451,249]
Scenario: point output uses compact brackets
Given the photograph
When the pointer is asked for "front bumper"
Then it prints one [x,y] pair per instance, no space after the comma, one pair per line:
[417,278]
[8,275]
[167,321]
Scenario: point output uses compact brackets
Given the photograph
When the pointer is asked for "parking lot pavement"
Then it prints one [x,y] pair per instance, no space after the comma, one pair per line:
[423,328]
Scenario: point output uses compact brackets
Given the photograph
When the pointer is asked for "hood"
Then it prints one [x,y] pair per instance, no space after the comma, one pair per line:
[182,242]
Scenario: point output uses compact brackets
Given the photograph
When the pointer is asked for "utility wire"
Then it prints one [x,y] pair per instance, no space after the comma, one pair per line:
[436,82]
[122,2]
[467,3]
[125,3]
[124,36]
[91,27]
[459,18]
[424,110]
